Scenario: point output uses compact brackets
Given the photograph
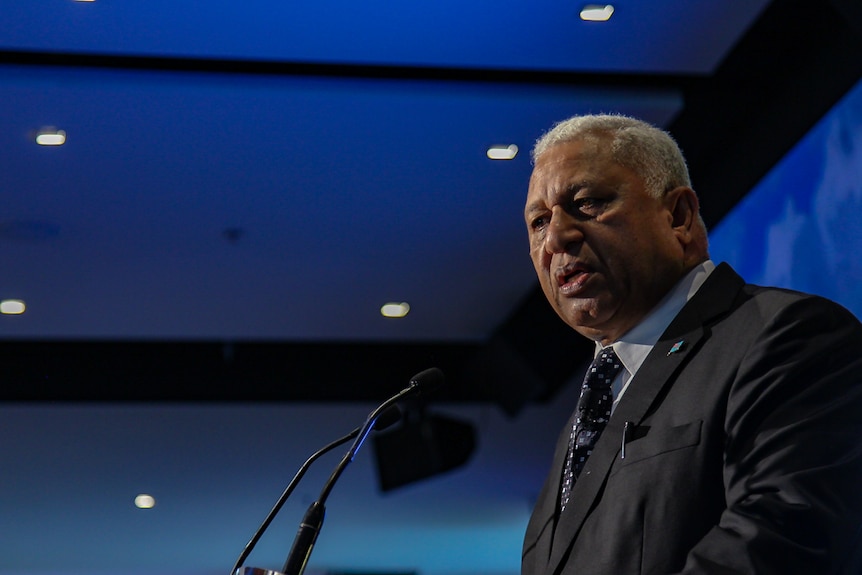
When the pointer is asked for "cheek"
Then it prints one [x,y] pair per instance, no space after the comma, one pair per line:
[541,265]
[541,261]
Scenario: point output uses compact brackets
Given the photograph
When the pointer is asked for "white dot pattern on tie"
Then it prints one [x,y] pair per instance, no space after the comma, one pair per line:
[591,416]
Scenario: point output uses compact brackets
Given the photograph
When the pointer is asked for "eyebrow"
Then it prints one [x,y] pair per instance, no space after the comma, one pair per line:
[534,207]
[575,187]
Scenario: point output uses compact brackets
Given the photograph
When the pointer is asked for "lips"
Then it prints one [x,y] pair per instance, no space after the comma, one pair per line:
[572,277]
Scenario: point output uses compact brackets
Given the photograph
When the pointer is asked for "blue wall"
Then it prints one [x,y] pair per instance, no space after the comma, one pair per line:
[801,226]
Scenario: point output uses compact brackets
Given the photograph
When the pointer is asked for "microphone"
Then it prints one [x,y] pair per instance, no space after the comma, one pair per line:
[422,383]
[426,382]
[387,418]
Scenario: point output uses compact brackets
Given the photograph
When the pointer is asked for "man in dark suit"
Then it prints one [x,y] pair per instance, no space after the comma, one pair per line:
[734,444]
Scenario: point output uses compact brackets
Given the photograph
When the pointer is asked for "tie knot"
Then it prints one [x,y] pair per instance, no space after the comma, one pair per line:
[596,396]
[604,369]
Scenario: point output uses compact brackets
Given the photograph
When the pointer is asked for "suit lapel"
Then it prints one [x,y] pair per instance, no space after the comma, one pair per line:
[658,370]
[549,504]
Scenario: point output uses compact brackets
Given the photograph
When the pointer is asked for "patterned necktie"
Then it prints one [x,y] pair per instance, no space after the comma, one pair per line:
[591,416]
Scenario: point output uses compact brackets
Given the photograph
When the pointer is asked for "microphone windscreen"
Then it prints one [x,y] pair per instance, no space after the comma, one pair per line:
[429,380]
[389,417]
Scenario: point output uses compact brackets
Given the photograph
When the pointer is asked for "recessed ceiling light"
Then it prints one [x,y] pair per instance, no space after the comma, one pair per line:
[144,501]
[503,152]
[51,137]
[12,307]
[395,309]
[597,12]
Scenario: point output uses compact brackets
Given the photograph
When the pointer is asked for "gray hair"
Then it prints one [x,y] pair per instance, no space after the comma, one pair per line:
[637,145]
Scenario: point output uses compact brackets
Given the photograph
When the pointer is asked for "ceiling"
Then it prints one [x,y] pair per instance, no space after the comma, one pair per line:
[243,187]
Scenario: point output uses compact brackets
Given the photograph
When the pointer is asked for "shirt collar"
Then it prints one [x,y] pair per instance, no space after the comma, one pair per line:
[633,347]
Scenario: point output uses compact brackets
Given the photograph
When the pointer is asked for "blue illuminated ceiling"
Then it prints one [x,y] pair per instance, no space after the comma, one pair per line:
[278,171]
[662,36]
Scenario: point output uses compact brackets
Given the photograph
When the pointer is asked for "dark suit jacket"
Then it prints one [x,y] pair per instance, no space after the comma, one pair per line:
[743,452]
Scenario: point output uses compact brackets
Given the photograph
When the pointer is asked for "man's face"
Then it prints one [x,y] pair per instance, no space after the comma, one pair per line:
[605,251]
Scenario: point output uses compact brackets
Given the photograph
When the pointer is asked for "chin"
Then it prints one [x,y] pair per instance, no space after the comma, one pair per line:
[582,323]
[587,321]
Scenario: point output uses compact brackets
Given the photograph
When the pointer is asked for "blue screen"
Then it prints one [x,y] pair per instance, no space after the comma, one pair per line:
[800,227]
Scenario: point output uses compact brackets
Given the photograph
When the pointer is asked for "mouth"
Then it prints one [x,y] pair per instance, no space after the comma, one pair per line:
[572,277]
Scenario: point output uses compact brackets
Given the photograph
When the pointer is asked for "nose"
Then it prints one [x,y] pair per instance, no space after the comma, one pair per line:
[563,231]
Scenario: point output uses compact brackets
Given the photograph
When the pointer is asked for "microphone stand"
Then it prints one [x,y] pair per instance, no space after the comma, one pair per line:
[312,522]
[387,413]
[281,501]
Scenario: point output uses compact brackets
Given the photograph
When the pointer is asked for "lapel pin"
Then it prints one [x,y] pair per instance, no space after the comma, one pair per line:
[676,347]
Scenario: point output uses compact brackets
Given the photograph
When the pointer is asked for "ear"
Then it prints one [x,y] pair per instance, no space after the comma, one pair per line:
[684,209]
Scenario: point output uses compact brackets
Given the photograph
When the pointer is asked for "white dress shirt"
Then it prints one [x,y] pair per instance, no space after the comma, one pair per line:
[634,346]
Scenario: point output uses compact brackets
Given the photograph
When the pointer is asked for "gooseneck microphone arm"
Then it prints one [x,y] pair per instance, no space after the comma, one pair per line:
[285,494]
[361,437]
[312,522]
[387,417]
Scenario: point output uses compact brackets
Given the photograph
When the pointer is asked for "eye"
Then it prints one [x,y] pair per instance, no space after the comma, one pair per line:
[539,222]
[589,207]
